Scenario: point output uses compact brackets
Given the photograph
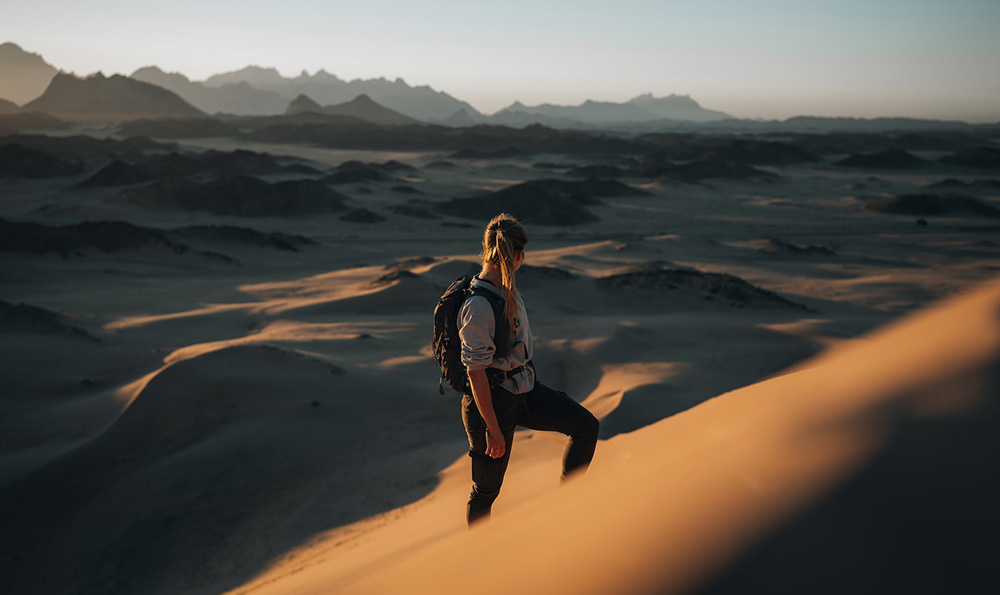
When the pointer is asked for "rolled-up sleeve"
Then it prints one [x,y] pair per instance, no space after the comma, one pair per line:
[476,328]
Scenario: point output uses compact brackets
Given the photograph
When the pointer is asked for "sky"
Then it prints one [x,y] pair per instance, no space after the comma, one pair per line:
[752,59]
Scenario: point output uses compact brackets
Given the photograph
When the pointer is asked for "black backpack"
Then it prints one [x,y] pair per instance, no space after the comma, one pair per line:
[448,346]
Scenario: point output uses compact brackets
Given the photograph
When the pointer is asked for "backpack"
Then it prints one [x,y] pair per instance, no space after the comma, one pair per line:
[448,345]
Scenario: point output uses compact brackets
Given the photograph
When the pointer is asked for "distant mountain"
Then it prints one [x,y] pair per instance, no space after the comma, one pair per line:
[261,78]
[421,103]
[589,112]
[677,107]
[640,110]
[463,118]
[7,107]
[825,124]
[517,115]
[362,107]
[240,98]
[303,105]
[98,98]
[23,76]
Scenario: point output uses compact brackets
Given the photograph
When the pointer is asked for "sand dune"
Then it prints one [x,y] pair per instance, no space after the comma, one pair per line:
[276,426]
[667,507]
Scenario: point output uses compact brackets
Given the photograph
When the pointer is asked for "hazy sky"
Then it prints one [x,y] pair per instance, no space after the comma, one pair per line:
[761,58]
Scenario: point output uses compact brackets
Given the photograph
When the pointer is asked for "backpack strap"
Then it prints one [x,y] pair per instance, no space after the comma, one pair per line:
[501,334]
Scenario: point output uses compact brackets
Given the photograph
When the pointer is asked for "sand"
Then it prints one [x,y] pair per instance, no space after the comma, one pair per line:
[272,424]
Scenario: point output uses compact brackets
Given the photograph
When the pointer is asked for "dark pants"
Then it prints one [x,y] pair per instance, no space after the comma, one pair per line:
[541,409]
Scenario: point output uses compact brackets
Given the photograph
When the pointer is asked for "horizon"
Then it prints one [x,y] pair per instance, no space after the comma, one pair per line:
[929,60]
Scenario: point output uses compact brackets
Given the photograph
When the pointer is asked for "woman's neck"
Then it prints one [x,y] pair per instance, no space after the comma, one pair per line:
[492,274]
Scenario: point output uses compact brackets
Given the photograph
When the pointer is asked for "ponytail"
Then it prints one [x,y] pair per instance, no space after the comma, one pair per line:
[504,238]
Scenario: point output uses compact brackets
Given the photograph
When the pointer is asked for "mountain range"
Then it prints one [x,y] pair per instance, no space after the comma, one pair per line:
[26,80]
[101,99]
[644,108]
[362,107]
[23,76]
[264,91]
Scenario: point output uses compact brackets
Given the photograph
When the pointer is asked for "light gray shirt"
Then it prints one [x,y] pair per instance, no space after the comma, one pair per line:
[477,328]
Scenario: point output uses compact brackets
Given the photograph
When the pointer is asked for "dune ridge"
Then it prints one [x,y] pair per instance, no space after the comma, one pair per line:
[667,507]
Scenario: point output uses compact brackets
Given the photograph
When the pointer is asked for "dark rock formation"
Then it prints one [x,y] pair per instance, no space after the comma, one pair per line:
[419,209]
[30,122]
[177,128]
[979,157]
[967,184]
[697,171]
[758,152]
[25,318]
[505,152]
[240,195]
[243,235]
[776,246]
[19,161]
[888,159]
[440,165]
[362,216]
[596,171]
[73,240]
[708,286]
[941,205]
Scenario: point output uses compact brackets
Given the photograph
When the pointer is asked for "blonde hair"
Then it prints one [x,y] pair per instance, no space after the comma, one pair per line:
[503,239]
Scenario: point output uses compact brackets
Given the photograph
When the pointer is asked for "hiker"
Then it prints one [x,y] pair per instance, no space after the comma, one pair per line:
[503,391]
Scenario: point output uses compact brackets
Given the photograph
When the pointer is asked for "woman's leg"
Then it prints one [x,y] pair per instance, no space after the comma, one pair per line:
[551,410]
[487,472]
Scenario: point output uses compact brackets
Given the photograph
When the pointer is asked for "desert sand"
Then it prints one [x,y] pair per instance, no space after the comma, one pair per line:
[785,404]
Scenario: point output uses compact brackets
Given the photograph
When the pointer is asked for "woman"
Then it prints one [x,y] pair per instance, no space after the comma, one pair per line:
[491,413]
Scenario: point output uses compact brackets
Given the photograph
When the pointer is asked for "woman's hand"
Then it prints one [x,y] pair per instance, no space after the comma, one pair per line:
[495,444]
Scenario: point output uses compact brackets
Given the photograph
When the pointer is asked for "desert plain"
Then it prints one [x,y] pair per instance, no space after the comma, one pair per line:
[222,383]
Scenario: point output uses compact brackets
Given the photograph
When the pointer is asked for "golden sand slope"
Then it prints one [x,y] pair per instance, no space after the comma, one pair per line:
[667,507]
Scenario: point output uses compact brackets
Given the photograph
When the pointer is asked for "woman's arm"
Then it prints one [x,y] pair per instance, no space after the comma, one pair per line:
[481,393]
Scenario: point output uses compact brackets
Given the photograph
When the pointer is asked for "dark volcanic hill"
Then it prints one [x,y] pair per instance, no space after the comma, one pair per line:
[106,236]
[19,161]
[240,195]
[30,122]
[177,128]
[757,152]
[100,99]
[209,164]
[719,287]
[933,205]
[243,235]
[979,157]
[696,171]
[7,107]
[888,159]
[85,149]
[976,184]
[362,107]
[25,318]
[23,75]
[543,202]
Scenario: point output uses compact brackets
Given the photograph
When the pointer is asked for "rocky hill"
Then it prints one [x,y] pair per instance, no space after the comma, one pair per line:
[238,98]
[101,99]
[362,107]
[23,75]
